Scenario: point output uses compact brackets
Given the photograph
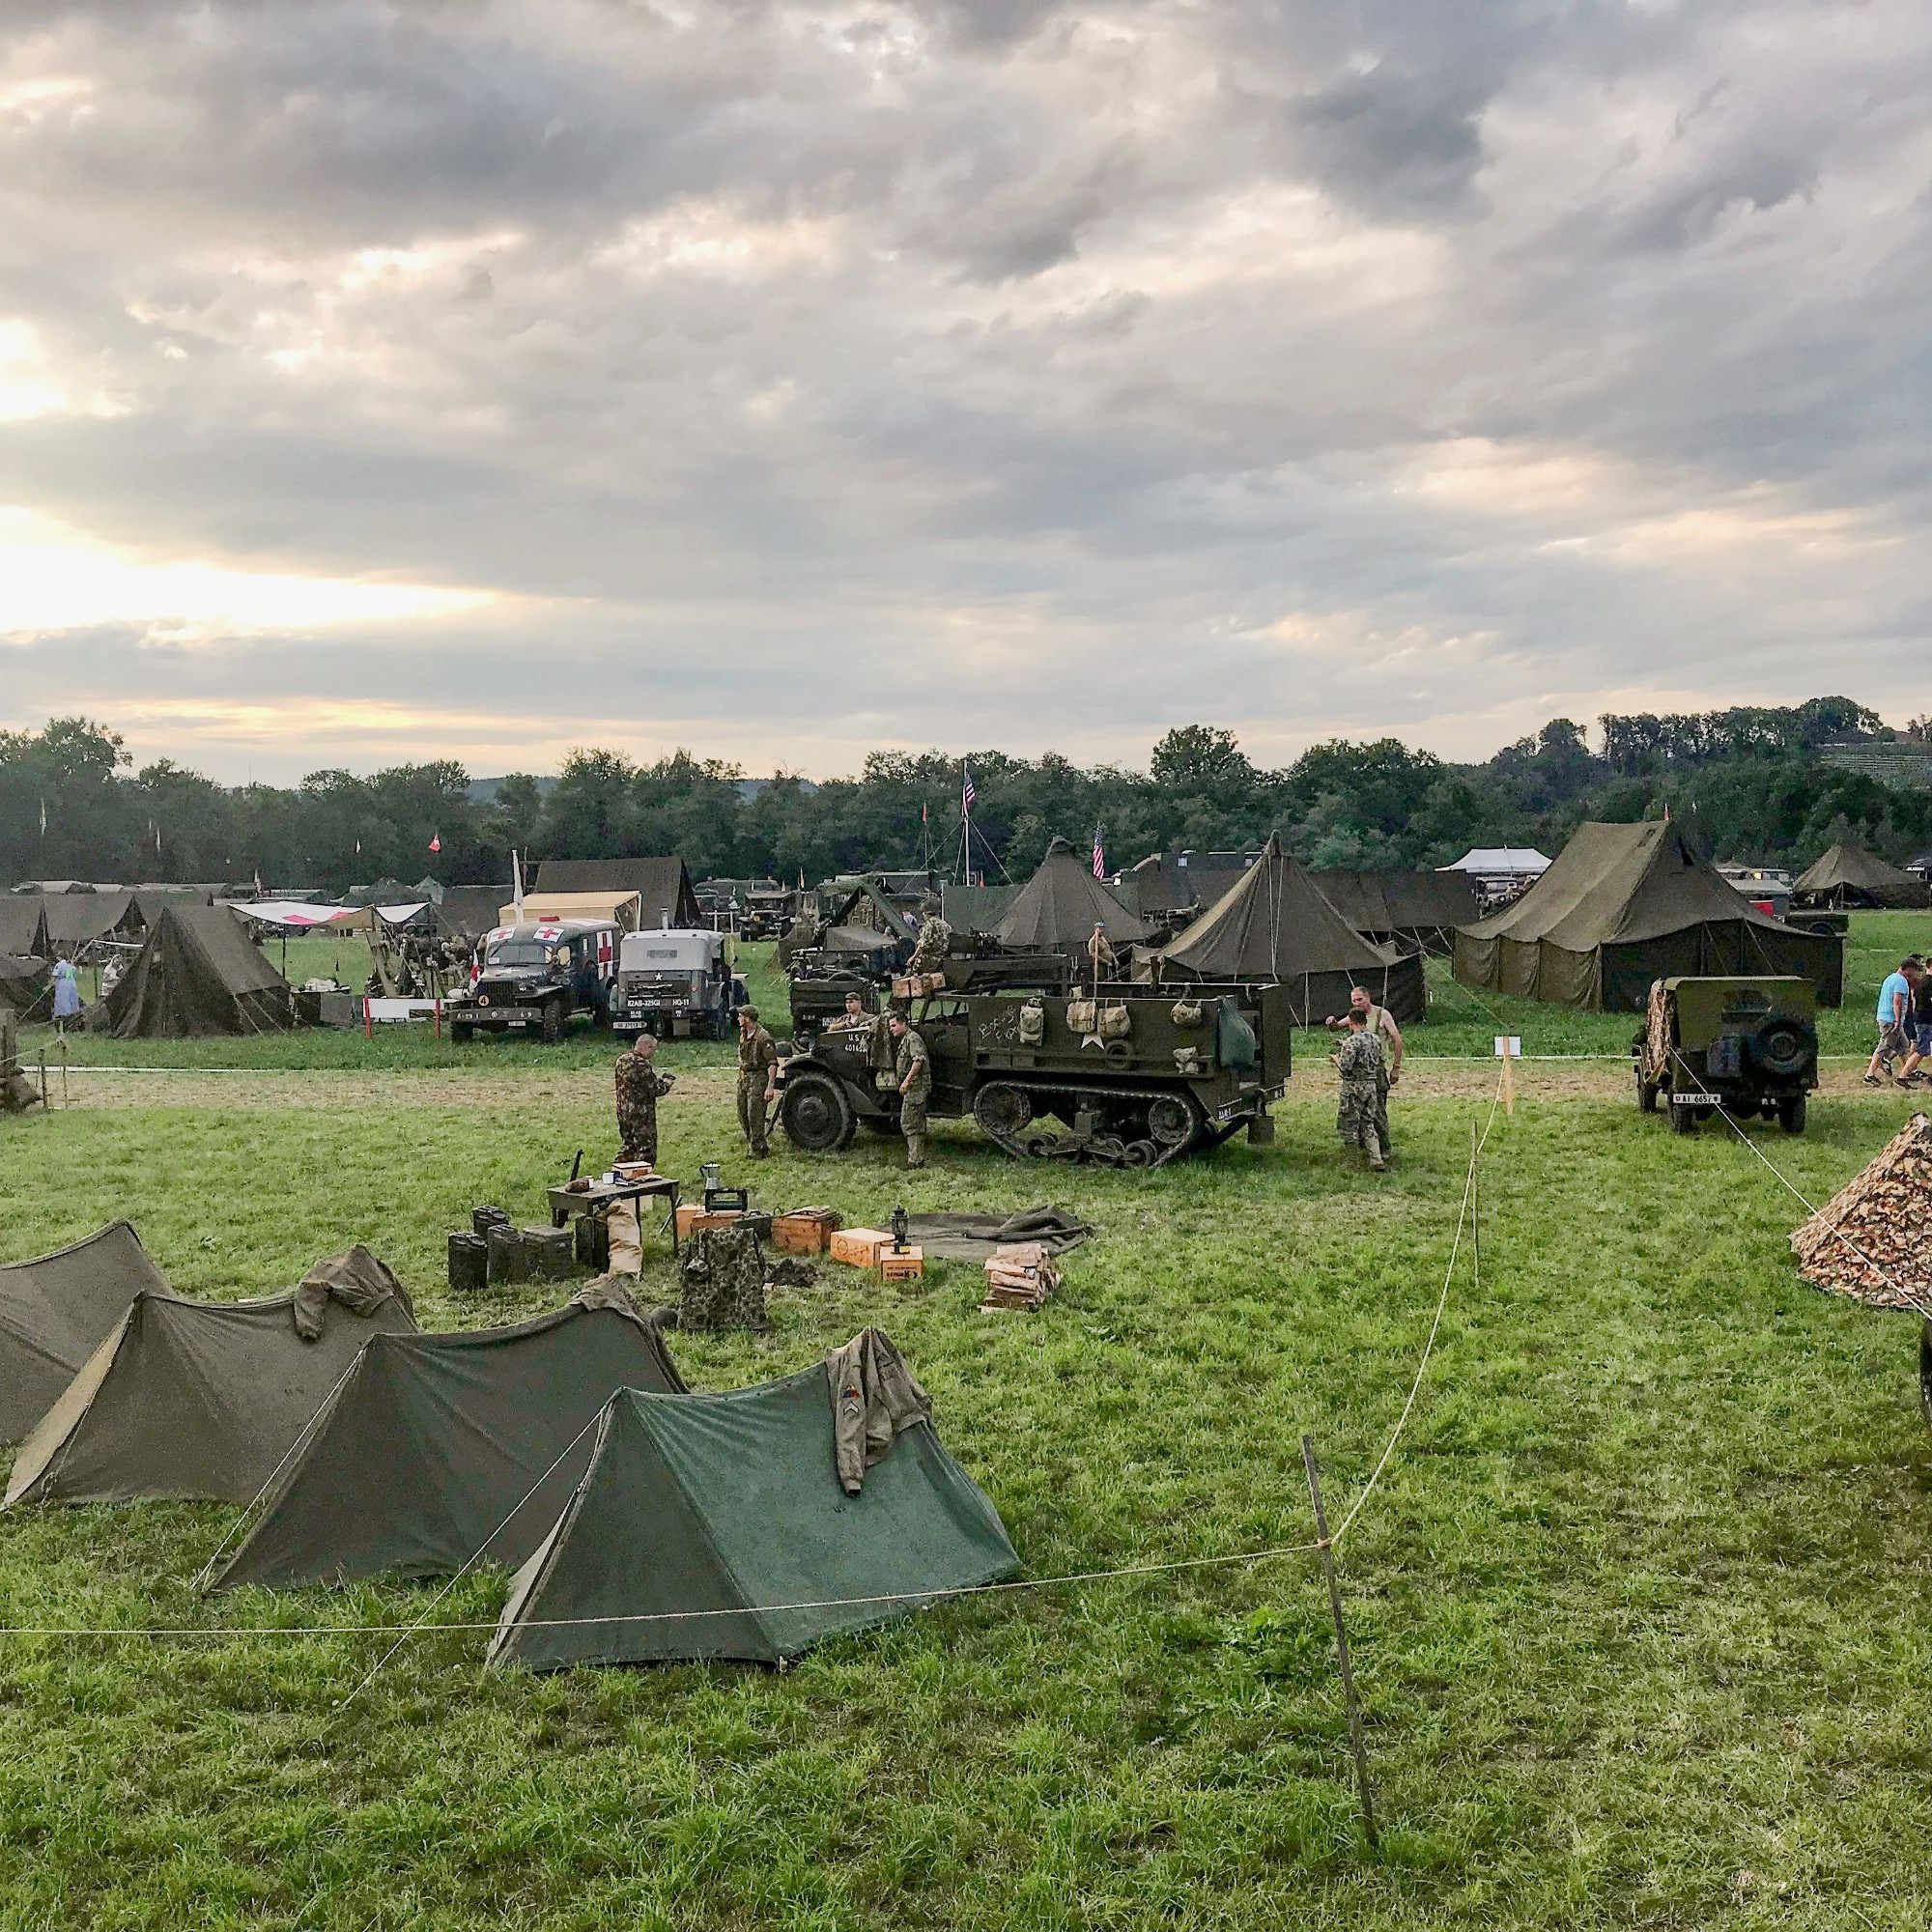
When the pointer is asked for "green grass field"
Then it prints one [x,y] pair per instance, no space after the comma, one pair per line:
[1639,1612]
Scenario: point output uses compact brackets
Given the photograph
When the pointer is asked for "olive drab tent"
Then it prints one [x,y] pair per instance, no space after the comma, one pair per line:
[665,893]
[1624,905]
[23,928]
[1058,908]
[199,973]
[1272,927]
[54,1312]
[26,987]
[468,912]
[77,918]
[440,1448]
[202,1399]
[717,1526]
[1408,909]
[1848,876]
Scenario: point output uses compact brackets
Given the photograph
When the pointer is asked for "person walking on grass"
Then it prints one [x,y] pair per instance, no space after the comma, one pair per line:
[1895,1030]
[758,1080]
[67,992]
[1914,1074]
[1363,1116]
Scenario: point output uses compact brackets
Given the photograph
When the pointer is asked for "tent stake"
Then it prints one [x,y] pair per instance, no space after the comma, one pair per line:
[1355,1741]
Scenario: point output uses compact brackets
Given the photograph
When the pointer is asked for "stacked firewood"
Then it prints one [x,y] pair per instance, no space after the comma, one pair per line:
[1021,1275]
[1873,1240]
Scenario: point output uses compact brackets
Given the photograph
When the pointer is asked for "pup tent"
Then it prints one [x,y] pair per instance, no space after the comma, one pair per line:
[702,1517]
[1273,926]
[433,1441]
[202,1399]
[198,972]
[1848,876]
[1872,1241]
[1058,908]
[1624,905]
[55,1311]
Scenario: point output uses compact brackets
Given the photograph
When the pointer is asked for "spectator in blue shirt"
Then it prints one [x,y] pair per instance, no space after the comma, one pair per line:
[1894,1021]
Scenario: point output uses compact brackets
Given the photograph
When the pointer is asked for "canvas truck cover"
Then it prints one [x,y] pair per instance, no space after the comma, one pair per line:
[192,1399]
[1058,908]
[1624,905]
[435,1440]
[54,1313]
[198,973]
[729,1506]
[1272,927]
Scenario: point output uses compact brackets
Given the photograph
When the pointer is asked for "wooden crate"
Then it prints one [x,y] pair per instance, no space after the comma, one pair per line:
[859,1247]
[807,1230]
[906,1265]
[693,1219]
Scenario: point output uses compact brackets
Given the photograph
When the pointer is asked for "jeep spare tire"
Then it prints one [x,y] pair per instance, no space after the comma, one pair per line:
[1780,1046]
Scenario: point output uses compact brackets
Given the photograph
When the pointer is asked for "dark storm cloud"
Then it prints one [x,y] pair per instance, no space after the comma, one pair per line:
[802,374]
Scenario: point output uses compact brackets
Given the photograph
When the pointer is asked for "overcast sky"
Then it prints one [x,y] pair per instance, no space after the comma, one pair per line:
[782,380]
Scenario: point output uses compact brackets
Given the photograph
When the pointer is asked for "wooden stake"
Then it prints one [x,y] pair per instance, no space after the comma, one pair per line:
[1355,1741]
[1509,1085]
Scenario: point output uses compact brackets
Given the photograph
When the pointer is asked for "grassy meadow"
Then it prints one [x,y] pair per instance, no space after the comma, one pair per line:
[1639,1612]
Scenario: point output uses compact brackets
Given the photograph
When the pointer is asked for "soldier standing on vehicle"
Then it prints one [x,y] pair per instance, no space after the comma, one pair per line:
[912,1072]
[853,1017]
[639,1087]
[757,1080]
[1363,1118]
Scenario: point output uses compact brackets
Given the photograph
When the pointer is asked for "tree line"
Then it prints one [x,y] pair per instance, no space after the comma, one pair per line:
[1748,782]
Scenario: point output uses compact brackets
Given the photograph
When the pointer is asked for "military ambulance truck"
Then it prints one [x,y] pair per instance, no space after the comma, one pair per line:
[540,978]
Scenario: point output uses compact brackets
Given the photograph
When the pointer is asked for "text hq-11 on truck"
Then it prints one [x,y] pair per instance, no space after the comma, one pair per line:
[540,978]
[676,982]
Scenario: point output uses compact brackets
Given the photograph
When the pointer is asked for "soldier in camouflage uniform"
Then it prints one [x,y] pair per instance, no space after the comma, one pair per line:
[757,1080]
[912,1074]
[928,951]
[1363,1118]
[639,1087]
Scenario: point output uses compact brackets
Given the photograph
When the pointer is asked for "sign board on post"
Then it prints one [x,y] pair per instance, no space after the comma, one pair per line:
[1508,1050]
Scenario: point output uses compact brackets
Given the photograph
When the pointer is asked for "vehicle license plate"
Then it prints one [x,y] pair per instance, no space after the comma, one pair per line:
[1695,1100]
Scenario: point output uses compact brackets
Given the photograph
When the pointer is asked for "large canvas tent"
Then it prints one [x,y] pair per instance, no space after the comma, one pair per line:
[1623,905]
[1058,908]
[54,1312]
[1273,926]
[23,928]
[202,1399]
[1848,876]
[77,918]
[468,912]
[702,1517]
[26,987]
[1409,909]
[436,1441]
[663,885]
[198,972]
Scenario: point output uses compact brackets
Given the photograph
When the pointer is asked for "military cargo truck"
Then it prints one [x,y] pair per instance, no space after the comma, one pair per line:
[539,977]
[1121,1080]
[1748,1045]
[676,982]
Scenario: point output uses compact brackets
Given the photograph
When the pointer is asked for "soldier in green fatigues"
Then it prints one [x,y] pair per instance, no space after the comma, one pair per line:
[1363,1118]
[912,1072]
[757,1079]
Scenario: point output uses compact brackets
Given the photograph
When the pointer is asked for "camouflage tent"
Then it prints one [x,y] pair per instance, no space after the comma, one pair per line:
[1623,905]
[717,1526]
[1058,908]
[198,972]
[54,1312]
[435,1441]
[663,885]
[1273,926]
[205,1398]
[1848,876]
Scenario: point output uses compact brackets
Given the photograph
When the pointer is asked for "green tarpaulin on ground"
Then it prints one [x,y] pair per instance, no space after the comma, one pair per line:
[436,1441]
[731,1504]
[201,1398]
[55,1310]
[198,973]
[1848,876]
[1272,927]
[1623,905]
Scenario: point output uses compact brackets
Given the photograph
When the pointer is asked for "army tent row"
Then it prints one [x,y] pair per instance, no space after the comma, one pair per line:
[649,1522]
[1848,876]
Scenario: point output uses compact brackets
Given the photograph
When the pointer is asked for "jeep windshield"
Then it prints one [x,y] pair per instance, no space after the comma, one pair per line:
[520,952]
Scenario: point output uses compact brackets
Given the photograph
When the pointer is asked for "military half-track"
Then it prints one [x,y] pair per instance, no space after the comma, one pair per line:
[1122,1079]
[1748,1045]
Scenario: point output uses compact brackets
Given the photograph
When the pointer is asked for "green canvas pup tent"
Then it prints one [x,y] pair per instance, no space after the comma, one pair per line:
[54,1313]
[1272,927]
[1623,905]
[198,972]
[202,1399]
[700,1518]
[437,1445]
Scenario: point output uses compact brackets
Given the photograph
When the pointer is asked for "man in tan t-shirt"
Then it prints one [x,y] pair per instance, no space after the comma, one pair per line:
[1381,1022]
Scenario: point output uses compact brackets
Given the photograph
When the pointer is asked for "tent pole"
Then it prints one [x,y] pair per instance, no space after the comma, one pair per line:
[1356,1744]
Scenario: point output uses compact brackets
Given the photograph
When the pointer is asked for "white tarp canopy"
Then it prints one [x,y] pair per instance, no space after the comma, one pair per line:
[298,915]
[1498,861]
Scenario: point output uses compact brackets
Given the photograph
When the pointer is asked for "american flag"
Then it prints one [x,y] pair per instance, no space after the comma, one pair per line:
[1099,856]
[966,791]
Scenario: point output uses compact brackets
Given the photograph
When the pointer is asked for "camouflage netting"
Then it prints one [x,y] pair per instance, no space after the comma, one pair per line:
[723,1279]
[1872,1241]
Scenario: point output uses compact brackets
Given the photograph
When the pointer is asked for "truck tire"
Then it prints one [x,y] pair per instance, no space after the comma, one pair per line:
[815,1114]
[1781,1047]
[1683,1119]
[1791,1113]
[461,1033]
[553,1022]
